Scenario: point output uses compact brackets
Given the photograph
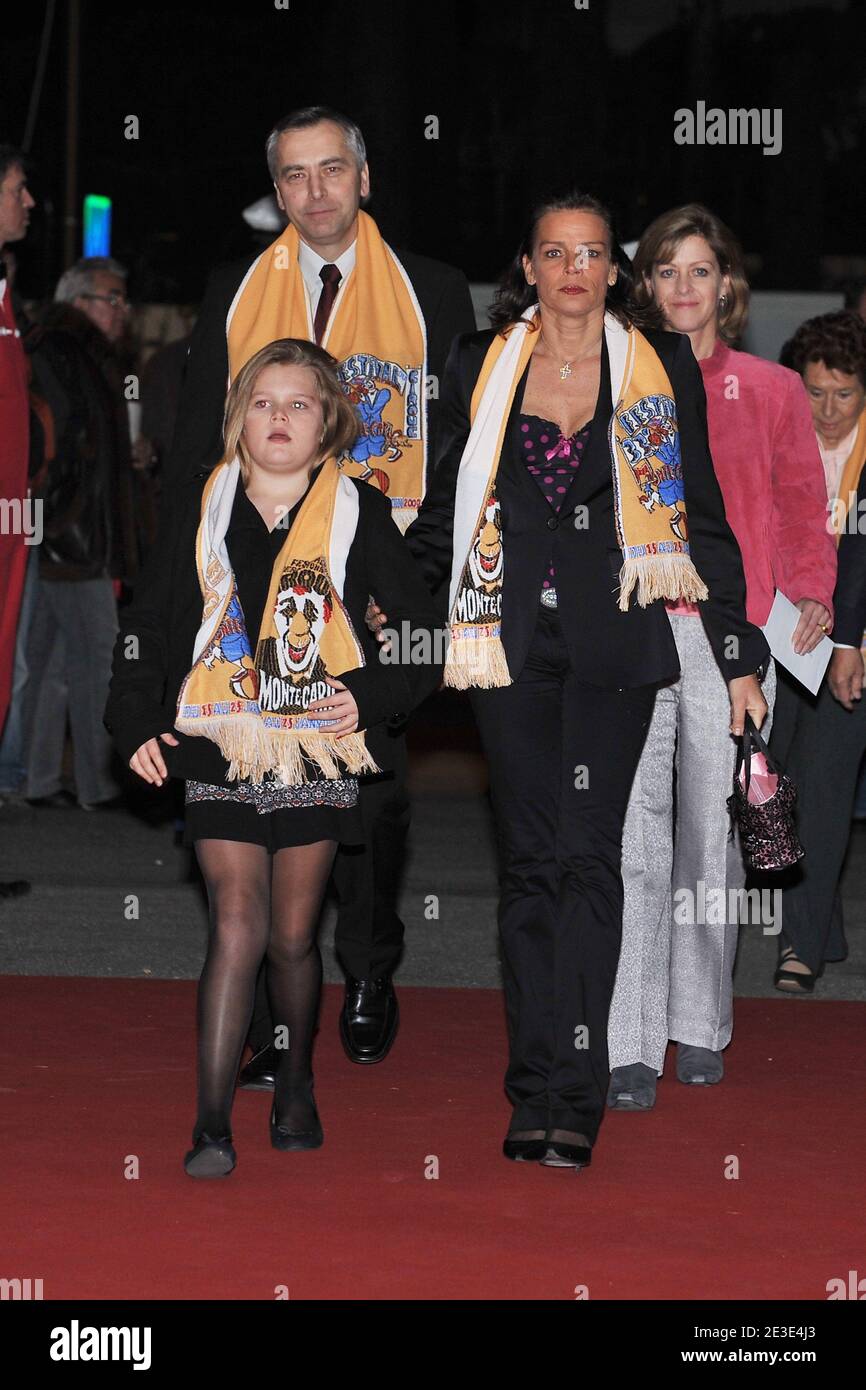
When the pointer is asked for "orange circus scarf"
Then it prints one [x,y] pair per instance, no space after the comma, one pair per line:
[254,705]
[649,504]
[375,330]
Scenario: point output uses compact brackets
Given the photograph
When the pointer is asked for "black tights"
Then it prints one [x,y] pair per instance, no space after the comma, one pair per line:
[261,905]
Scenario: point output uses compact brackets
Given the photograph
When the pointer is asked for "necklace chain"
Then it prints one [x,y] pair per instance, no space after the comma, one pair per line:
[565,368]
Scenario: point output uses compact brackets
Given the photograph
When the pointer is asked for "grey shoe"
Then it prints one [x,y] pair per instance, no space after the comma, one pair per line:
[698,1066]
[632,1088]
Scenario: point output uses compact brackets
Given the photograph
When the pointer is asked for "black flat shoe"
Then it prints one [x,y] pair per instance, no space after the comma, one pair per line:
[211,1158]
[525,1145]
[562,1150]
[287,1139]
[369,1018]
[792,981]
[260,1072]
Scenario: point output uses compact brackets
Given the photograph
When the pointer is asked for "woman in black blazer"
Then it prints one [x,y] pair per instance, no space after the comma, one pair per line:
[563,738]
[265,844]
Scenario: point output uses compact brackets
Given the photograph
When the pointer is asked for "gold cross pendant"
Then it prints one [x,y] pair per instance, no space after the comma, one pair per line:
[565,371]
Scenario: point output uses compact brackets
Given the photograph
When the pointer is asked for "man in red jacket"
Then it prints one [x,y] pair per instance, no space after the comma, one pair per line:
[15,204]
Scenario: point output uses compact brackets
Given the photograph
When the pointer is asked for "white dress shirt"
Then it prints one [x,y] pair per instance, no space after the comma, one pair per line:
[834,461]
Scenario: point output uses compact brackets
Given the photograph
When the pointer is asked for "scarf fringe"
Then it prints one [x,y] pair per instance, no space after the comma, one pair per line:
[253,751]
[476,662]
[660,576]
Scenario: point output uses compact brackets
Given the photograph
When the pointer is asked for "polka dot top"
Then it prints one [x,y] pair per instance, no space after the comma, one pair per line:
[552,460]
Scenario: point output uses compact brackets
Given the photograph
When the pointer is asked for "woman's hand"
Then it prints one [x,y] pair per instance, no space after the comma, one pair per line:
[813,625]
[845,676]
[747,697]
[340,707]
[148,761]
[376,620]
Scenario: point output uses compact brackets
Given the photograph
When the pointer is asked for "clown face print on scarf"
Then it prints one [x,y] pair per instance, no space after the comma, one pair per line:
[485,557]
[292,671]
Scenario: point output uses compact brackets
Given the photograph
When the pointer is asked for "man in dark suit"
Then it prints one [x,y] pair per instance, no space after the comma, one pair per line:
[318,162]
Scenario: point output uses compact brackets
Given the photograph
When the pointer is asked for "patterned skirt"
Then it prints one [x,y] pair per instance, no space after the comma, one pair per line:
[272,815]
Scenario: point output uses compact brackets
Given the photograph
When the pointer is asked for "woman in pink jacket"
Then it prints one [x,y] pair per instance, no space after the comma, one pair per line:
[682,874]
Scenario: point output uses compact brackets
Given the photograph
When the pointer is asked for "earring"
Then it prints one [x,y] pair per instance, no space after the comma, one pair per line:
[723,300]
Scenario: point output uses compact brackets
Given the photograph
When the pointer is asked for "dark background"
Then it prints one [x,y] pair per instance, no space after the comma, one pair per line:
[531,98]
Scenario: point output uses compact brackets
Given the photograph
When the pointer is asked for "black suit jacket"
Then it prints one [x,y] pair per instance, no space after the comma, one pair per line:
[609,648]
[165,616]
[443,296]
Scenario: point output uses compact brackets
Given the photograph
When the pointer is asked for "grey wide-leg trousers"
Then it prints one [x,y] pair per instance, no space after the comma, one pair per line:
[674,978]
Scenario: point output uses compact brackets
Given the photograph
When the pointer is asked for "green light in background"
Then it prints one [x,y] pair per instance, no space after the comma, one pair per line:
[97,225]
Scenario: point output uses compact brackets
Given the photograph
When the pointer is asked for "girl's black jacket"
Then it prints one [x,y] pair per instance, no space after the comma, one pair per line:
[166,612]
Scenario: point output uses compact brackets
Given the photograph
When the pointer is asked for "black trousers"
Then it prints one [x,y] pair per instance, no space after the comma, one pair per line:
[562,757]
[366,878]
[819,744]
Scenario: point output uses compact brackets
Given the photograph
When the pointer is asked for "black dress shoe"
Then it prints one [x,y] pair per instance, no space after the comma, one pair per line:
[14,888]
[57,801]
[525,1145]
[260,1072]
[560,1152]
[286,1139]
[211,1158]
[369,1018]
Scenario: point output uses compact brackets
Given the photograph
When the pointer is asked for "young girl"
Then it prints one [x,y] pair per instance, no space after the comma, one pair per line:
[244,665]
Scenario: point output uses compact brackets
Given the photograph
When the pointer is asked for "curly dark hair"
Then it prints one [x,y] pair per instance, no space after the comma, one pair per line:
[514,295]
[837,339]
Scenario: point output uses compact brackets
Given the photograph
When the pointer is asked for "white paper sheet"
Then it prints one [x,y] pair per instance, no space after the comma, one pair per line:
[779,629]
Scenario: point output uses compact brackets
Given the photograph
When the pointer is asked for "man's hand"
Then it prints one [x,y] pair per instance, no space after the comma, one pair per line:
[813,625]
[148,761]
[845,676]
[376,620]
[747,697]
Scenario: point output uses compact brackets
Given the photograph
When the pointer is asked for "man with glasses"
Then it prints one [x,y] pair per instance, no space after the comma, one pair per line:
[97,286]
[89,537]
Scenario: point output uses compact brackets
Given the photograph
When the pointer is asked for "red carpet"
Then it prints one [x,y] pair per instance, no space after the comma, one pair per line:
[98,1070]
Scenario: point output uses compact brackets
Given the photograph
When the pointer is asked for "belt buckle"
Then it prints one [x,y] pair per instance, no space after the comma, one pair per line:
[548,598]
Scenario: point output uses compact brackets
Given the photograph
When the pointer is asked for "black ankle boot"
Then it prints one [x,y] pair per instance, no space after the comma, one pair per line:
[285,1139]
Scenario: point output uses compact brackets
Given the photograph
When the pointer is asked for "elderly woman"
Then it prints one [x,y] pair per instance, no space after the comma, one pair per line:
[574,493]
[675,970]
[821,740]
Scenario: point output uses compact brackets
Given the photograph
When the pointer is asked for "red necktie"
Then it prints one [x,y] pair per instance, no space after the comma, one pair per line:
[330,277]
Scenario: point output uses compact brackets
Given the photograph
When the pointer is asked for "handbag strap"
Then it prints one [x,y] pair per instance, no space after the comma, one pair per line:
[750,742]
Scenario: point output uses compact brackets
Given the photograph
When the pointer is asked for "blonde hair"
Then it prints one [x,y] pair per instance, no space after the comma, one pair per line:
[659,244]
[340,423]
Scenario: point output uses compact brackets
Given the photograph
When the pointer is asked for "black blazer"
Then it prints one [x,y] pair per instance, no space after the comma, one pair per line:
[165,616]
[849,598]
[445,302]
[608,648]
